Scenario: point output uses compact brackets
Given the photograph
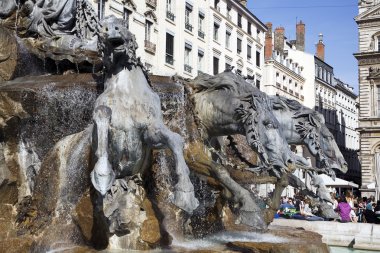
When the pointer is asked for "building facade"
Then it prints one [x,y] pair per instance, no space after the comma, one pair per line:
[347,136]
[282,75]
[368,57]
[325,93]
[291,72]
[185,37]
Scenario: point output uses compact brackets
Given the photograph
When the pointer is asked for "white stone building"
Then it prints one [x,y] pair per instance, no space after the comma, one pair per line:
[368,58]
[186,36]
[347,136]
[288,70]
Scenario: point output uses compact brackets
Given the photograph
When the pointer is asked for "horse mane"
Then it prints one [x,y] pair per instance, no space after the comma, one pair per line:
[224,81]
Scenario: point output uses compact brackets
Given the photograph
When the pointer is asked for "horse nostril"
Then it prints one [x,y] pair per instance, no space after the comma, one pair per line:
[290,161]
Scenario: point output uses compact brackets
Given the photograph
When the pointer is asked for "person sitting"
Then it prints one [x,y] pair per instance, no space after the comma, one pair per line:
[344,210]
[306,213]
[350,201]
[287,204]
[369,204]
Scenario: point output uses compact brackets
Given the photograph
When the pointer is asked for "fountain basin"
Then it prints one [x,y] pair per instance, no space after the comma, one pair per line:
[357,235]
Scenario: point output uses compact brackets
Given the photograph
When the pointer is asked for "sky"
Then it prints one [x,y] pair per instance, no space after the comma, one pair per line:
[333,18]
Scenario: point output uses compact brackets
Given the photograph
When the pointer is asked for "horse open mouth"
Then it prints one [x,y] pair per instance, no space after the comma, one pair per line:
[116,43]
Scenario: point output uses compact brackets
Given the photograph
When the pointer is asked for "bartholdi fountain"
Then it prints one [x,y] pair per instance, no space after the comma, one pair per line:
[96,154]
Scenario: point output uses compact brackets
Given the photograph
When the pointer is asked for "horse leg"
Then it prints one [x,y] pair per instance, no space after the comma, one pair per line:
[250,213]
[102,176]
[274,204]
[159,136]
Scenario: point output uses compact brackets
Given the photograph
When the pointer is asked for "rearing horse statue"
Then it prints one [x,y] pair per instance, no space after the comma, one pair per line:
[128,119]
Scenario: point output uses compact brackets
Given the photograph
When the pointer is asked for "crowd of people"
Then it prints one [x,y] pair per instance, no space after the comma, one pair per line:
[348,207]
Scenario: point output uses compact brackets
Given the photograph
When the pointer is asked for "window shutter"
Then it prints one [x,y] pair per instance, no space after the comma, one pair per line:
[169,44]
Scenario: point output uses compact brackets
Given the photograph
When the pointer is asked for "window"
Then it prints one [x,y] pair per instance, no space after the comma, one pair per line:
[378,43]
[169,10]
[169,49]
[227,66]
[238,45]
[239,20]
[187,66]
[249,28]
[126,15]
[228,39]
[258,83]
[215,65]
[229,12]
[201,18]
[216,31]
[188,12]
[148,30]
[216,2]
[258,58]
[249,52]
[200,60]
[101,5]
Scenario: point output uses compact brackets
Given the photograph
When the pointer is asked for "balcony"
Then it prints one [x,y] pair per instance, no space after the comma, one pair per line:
[170,15]
[189,27]
[150,47]
[188,68]
[201,34]
[152,3]
[169,59]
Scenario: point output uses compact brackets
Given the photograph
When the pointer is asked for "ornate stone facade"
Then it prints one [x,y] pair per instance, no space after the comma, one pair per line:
[369,91]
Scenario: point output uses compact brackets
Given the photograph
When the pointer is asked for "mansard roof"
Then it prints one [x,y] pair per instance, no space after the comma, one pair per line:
[371,14]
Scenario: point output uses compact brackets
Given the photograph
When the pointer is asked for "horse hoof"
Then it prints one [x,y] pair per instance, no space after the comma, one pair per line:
[186,201]
[253,219]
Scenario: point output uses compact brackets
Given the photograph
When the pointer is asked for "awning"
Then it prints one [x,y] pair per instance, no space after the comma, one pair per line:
[371,186]
[338,183]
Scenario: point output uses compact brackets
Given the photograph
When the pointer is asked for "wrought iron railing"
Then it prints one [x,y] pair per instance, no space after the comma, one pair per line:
[188,68]
[170,15]
[201,34]
[189,27]
[169,59]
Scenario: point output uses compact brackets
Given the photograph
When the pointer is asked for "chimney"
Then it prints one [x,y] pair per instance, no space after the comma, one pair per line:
[279,39]
[243,2]
[268,47]
[300,36]
[320,48]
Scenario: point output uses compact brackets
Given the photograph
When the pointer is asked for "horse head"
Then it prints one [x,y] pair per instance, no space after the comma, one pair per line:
[264,134]
[118,44]
[320,141]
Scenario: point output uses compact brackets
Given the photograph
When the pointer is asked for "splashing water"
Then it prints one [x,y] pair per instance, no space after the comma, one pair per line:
[217,241]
